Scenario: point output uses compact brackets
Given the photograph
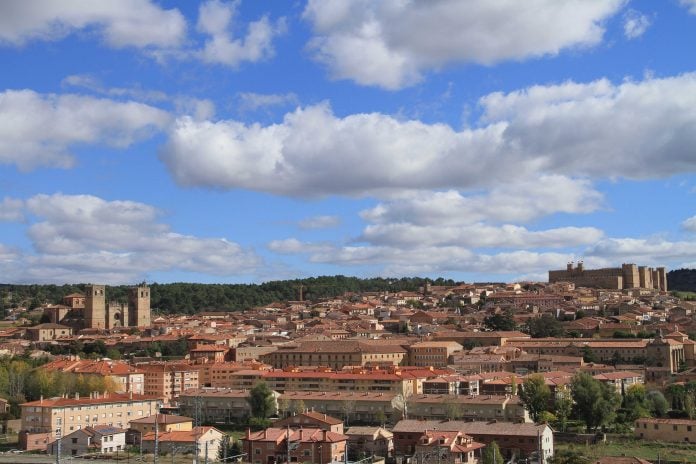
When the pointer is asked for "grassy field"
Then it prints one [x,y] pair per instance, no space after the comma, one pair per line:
[651,450]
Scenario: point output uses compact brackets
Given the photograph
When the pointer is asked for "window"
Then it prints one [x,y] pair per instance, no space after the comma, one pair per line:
[74,440]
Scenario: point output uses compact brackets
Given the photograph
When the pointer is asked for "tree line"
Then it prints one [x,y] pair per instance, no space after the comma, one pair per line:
[176,298]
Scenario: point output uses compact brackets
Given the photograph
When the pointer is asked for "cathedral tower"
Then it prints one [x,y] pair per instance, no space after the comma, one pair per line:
[139,306]
[95,307]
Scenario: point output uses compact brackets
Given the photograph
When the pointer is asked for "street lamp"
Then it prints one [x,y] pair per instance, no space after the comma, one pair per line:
[321,457]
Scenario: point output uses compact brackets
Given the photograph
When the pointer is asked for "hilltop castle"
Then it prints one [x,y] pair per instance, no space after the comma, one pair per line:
[90,311]
[624,277]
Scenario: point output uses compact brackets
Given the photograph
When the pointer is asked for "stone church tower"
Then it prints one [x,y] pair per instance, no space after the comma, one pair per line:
[139,306]
[95,307]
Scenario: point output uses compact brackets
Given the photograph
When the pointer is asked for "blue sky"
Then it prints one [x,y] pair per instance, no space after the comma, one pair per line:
[248,141]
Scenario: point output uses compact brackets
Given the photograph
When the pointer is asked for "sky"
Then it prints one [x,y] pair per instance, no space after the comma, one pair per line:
[247,141]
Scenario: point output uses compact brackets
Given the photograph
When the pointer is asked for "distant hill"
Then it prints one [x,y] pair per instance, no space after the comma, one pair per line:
[190,298]
[683,280]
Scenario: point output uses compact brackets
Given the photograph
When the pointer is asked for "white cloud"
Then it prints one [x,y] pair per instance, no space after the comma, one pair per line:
[293,246]
[635,24]
[251,101]
[649,251]
[319,222]
[392,43]
[478,236]
[123,23]
[520,200]
[600,130]
[86,238]
[215,19]
[11,210]
[690,224]
[690,4]
[91,83]
[38,130]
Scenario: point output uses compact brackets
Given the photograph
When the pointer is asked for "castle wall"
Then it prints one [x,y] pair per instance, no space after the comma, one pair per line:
[625,277]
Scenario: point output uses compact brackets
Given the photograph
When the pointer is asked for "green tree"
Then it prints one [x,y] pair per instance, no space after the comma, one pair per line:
[657,403]
[635,404]
[563,406]
[261,401]
[588,355]
[491,454]
[595,403]
[545,326]
[500,321]
[535,395]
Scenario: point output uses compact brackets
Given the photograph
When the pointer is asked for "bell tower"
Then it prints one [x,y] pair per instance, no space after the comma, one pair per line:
[139,306]
[95,307]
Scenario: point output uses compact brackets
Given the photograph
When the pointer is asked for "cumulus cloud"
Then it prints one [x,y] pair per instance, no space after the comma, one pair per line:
[690,224]
[137,23]
[520,200]
[598,130]
[86,238]
[690,4]
[635,24]
[38,130]
[215,19]
[291,246]
[392,43]
[319,222]
[11,210]
[644,250]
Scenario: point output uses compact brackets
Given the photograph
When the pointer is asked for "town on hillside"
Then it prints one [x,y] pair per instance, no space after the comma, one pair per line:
[528,372]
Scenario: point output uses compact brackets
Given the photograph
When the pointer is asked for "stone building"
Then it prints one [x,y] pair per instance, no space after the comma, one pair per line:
[92,311]
[625,277]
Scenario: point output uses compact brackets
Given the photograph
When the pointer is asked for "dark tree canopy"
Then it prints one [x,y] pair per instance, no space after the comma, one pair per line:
[545,326]
[261,401]
[500,321]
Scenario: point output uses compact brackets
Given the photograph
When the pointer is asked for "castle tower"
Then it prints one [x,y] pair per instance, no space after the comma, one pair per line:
[662,279]
[139,306]
[646,274]
[631,278]
[95,307]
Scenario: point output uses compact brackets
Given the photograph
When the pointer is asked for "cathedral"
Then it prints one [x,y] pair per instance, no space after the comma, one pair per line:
[91,310]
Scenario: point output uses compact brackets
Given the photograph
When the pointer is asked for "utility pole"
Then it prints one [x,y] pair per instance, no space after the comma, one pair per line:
[154,458]
[58,445]
[205,458]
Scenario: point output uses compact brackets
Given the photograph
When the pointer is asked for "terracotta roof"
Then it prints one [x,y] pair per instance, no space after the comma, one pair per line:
[86,400]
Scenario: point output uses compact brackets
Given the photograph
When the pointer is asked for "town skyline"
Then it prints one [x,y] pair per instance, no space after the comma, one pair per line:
[247,142]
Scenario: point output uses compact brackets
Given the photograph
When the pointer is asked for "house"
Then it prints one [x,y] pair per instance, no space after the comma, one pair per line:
[376,441]
[165,423]
[48,332]
[447,447]
[294,445]
[99,439]
[200,440]
[670,430]
[520,440]
[311,419]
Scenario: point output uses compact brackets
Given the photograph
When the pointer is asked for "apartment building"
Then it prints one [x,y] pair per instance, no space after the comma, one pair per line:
[215,404]
[123,376]
[437,354]
[447,447]
[67,414]
[167,380]
[93,439]
[337,354]
[505,408]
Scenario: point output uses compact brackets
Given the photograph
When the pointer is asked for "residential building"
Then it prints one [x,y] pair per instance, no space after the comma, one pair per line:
[375,440]
[48,332]
[294,445]
[437,354]
[100,439]
[167,380]
[519,440]
[67,414]
[447,447]
[336,354]
[311,419]
[204,441]
[670,430]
